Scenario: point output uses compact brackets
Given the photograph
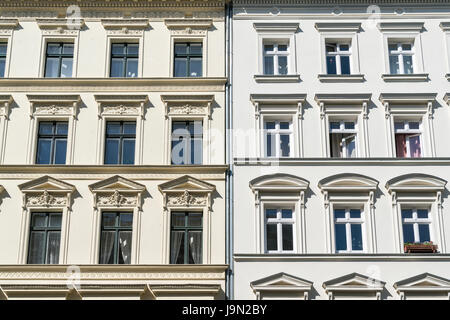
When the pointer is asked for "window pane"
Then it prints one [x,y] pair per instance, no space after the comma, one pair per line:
[392,47]
[356,231]
[414,147]
[282,47]
[351,147]
[118,48]
[288,241]
[66,67]
[113,128]
[68,49]
[51,68]
[178,219]
[406,46]
[270,125]
[270,143]
[125,247]
[44,151]
[271,213]
[180,69]
[268,65]
[284,125]
[196,151]
[109,219]
[394,64]
[112,151]
[399,125]
[286,213]
[2,67]
[339,213]
[195,48]
[331,48]
[178,150]
[335,125]
[414,125]
[407,213]
[61,128]
[53,241]
[408,64]
[196,127]
[344,47]
[271,233]
[195,220]
[177,247]
[349,125]
[129,128]
[133,49]
[424,232]
[37,248]
[128,151]
[422,214]
[355,213]
[195,247]
[331,65]
[60,151]
[107,247]
[117,65]
[341,240]
[3,49]
[282,65]
[126,220]
[195,67]
[268,47]
[284,145]
[400,145]
[345,65]
[132,68]
[53,48]
[55,220]
[39,220]
[408,232]
[180,48]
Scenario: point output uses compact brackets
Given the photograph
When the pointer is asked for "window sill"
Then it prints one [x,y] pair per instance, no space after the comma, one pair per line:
[419,77]
[277,78]
[341,77]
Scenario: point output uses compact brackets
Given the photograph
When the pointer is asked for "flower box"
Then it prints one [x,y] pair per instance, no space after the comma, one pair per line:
[427,247]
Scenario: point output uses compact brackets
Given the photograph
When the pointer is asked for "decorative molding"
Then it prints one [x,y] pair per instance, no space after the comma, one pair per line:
[59,104]
[5,105]
[342,98]
[187,199]
[418,77]
[338,26]
[290,27]
[288,78]
[281,98]
[415,182]
[125,26]
[401,26]
[424,283]
[348,182]
[188,105]
[403,98]
[188,26]
[60,26]
[113,105]
[282,283]
[353,282]
[7,26]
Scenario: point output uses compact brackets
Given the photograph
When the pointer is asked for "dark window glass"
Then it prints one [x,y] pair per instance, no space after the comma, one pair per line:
[3,50]
[356,236]
[124,60]
[59,60]
[120,142]
[116,237]
[424,232]
[341,238]
[187,142]
[288,237]
[408,232]
[45,235]
[188,60]
[186,238]
[271,234]
[52,142]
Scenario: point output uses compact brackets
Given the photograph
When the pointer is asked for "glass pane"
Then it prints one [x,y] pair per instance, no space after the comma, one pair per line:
[60,151]
[107,247]
[129,128]
[271,213]
[331,65]
[180,48]
[128,151]
[268,65]
[68,48]
[284,125]
[282,65]
[126,220]
[55,220]
[109,219]
[112,151]
[399,125]
[45,128]
[282,47]
[39,220]
[341,239]
[179,148]
[195,48]
[51,68]
[271,233]
[177,247]
[408,64]
[118,48]
[195,220]
[356,237]
[2,67]
[53,48]
[132,68]
[196,151]
[53,241]
[180,69]
[268,47]
[61,128]
[270,125]
[414,147]
[355,213]
[270,144]
[133,49]
[195,247]
[179,127]
[335,125]
[422,214]
[424,232]
[113,127]
[195,67]
[125,247]
[345,65]
[407,213]
[196,127]
[288,237]
[392,47]
[117,66]
[351,147]
[178,219]
[406,46]
[37,248]
[284,145]
[344,47]
[286,213]
[408,232]
[394,65]
[349,125]
[339,213]
[414,125]
[44,151]
[331,47]
[3,49]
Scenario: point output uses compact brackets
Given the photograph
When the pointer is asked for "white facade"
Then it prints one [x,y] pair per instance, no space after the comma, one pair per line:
[356,106]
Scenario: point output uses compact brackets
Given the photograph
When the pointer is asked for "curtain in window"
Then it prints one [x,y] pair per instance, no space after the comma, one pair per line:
[107,246]
[53,247]
[400,142]
[195,246]
[177,237]
[414,146]
[125,246]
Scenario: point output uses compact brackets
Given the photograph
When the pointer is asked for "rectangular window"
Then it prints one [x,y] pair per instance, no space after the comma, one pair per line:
[120,142]
[45,236]
[124,60]
[186,238]
[187,142]
[52,142]
[348,230]
[279,225]
[278,137]
[416,225]
[59,60]
[188,59]
[275,58]
[401,57]
[3,51]
[338,58]
[116,237]
[343,139]
[408,139]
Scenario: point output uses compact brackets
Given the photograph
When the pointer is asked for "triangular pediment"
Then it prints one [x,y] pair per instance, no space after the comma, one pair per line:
[46,183]
[186,183]
[354,281]
[279,182]
[116,183]
[417,181]
[424,281]
[281,281]
[348,181]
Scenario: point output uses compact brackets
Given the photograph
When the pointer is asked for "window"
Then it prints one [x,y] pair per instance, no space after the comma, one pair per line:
[186,238]
[120,142]
[279,224]
[348,230]
[278,136]
[343,139]
[124,60]
[188,59]
[52,142]
[338,58]
[276,58]
[3,50]
[407,139]
[59,60]
[116,236]
[187,140]
[401,58]
[416,225]
[45,236]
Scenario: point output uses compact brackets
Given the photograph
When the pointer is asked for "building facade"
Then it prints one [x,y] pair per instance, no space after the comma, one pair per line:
[112,158]
[341,156]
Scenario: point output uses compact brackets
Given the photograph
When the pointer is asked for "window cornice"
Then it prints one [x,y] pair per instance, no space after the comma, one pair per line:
[125,24]
[290,27]
[338,26]
[121,105]
[54,104]
[8,24]
[400,98]
[415,182]
[348,182]
[277,98]
[202,24]
[401,26]
[332,98]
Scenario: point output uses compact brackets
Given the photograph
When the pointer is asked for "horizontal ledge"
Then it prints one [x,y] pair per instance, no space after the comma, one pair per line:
[341,78]
[276,26]
[340,257]
[335,98]
[338,26]
[401,26]
[277,78]
[349,162]
[406,77]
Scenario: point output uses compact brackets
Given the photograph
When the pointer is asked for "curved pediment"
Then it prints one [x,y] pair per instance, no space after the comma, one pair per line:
[279,181]
[416,181]
[186,183]
[348,181]
[46,183]
[116,183]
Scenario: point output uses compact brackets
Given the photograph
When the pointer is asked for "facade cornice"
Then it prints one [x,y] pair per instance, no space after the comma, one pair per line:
[115,3]
[243,257]
[343,162]
[333,2]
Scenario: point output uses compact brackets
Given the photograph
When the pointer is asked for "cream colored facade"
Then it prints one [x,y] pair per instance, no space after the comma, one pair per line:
[83,188]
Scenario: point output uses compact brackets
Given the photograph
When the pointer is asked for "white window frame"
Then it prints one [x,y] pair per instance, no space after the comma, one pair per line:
[411,133]
[339,53]
[342,130]
[279,222]
[124,39]
[347,221]
[415,221]
[400,53]
[277,132]
[7,28]
[275,54]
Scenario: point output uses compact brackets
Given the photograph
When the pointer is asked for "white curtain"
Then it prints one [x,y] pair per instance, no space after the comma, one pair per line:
[177,237]
[125,246]
[53,247]
[106,249]
[195,245]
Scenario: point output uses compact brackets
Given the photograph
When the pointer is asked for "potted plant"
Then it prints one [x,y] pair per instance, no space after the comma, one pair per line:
[424,247]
